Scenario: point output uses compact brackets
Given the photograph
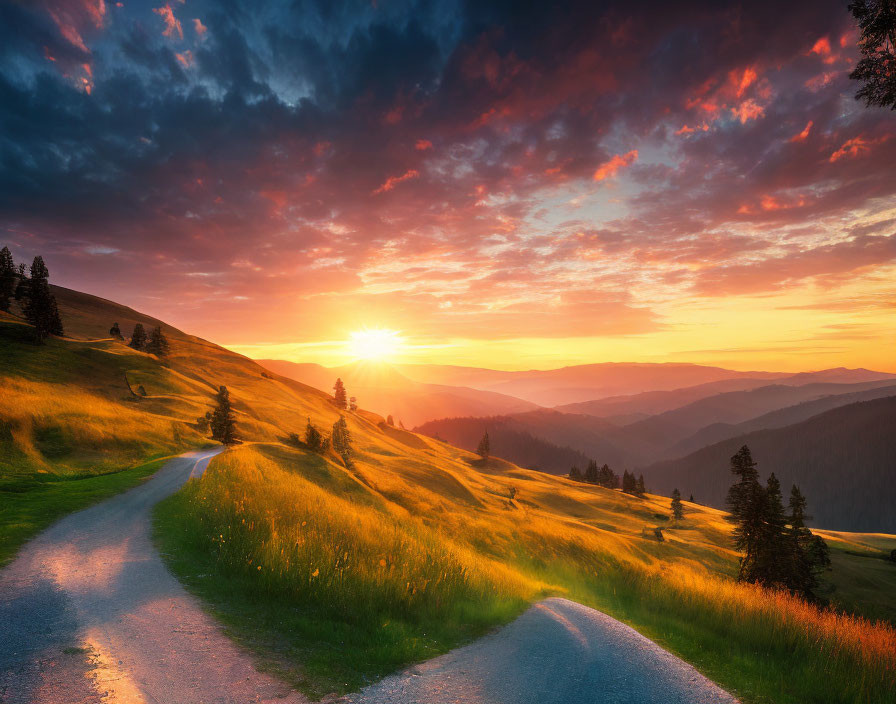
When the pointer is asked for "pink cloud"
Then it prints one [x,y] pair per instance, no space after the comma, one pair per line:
[422,145]
[856,147]
[393,181]
[748,110]
[172,24]
[609,168]
[199,28]
[802,136]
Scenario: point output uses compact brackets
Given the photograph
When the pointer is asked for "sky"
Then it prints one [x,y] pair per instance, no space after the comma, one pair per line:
[501,184]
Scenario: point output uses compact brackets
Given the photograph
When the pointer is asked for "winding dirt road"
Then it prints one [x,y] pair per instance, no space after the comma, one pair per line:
[89,613]
[558,652]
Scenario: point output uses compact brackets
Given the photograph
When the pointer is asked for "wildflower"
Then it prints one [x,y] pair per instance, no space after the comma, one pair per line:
[316,572]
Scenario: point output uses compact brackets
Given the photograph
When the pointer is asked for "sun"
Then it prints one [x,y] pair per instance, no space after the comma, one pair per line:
[374,344]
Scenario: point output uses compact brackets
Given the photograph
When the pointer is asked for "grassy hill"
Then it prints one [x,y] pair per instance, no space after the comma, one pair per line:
[336,574]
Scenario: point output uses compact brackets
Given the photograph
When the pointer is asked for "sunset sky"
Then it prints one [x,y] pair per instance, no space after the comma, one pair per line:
[579,182]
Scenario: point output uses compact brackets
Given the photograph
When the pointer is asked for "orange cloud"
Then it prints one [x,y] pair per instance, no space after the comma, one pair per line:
[609,168]
[801,137]
[748,110]
[172,24]
[393,181]
[185,58]
[746,80]
[199,28]
[422,145]
[856,147]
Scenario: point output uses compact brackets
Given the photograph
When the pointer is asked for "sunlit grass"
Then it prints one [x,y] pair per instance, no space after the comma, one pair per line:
[294,528]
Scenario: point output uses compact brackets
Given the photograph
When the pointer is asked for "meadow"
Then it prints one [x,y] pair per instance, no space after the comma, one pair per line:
[355,573]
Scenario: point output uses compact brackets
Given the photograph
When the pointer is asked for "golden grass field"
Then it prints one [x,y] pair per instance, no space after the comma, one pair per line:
[418,546]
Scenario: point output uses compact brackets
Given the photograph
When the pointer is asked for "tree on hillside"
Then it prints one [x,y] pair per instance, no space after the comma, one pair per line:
[607,477]
[575,474]
[640,489]
[158,343]
[677,509]
[691,499]
[138,337]
[115,332]
[808,553]
[21,292]
[591,472]
[339,397]
[342,441]
[223,421]
[484,448]
[40,305]
[7,278]
[773,563]
[314,439]
[202,423]
[353,404]
[629,483]
[390,420]
[746,505]
[877,43]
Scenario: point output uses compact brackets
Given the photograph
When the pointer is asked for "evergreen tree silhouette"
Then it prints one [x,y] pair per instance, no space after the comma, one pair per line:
[138,337]
[223,422]
[484,448]
[339,397]
[677,508]
[40,305]
[8,278]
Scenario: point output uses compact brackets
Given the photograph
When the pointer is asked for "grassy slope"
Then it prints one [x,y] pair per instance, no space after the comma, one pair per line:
[415,550]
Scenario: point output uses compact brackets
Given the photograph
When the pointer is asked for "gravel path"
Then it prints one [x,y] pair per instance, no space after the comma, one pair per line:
[558,651]
[89,613]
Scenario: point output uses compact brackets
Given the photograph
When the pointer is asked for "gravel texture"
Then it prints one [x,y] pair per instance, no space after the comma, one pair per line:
[89,613]
[558,651]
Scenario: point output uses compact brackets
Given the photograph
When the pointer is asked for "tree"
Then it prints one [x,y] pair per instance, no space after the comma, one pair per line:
[22,284]
[353,404]
[342,439]
[692,499]
[223,422]
[339,397]
[745,502]
[158,343]
[202,423]
[40,305]
[7,278]
[138,337]
[484,448]
[390,420]
[591,472]
[773,563]
[314,440]
[607,477]
[629,484]
[115,332]
[575,474]
[677,509]
[808,553]
[877,42]
[640,489]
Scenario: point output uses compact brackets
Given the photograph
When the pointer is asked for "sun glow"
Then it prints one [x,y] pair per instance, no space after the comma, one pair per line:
[374,344]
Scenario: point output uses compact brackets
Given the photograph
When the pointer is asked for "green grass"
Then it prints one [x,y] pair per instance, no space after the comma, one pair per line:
[310,643]
[261,539]
[31,503]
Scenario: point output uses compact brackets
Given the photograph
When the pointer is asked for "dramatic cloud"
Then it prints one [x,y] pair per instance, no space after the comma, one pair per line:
[452,168]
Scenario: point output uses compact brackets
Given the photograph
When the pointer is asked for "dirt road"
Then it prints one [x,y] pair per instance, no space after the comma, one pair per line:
[89,613]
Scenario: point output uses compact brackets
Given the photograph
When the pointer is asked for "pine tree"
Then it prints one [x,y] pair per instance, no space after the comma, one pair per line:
[773,561]
[202,423]
[629,484]
[591,472]
[353,404]
[390,420]
[808,554]
[342,439]
[677,509]
[640,489]
[339,397]
[745,500]
[7,278]
[40,306]
[575,474]
[223,422]
[607,477]
[115,332]
[138,337]
[691,499]
[484,448]
[158,343]
[21,292]
[314,441]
